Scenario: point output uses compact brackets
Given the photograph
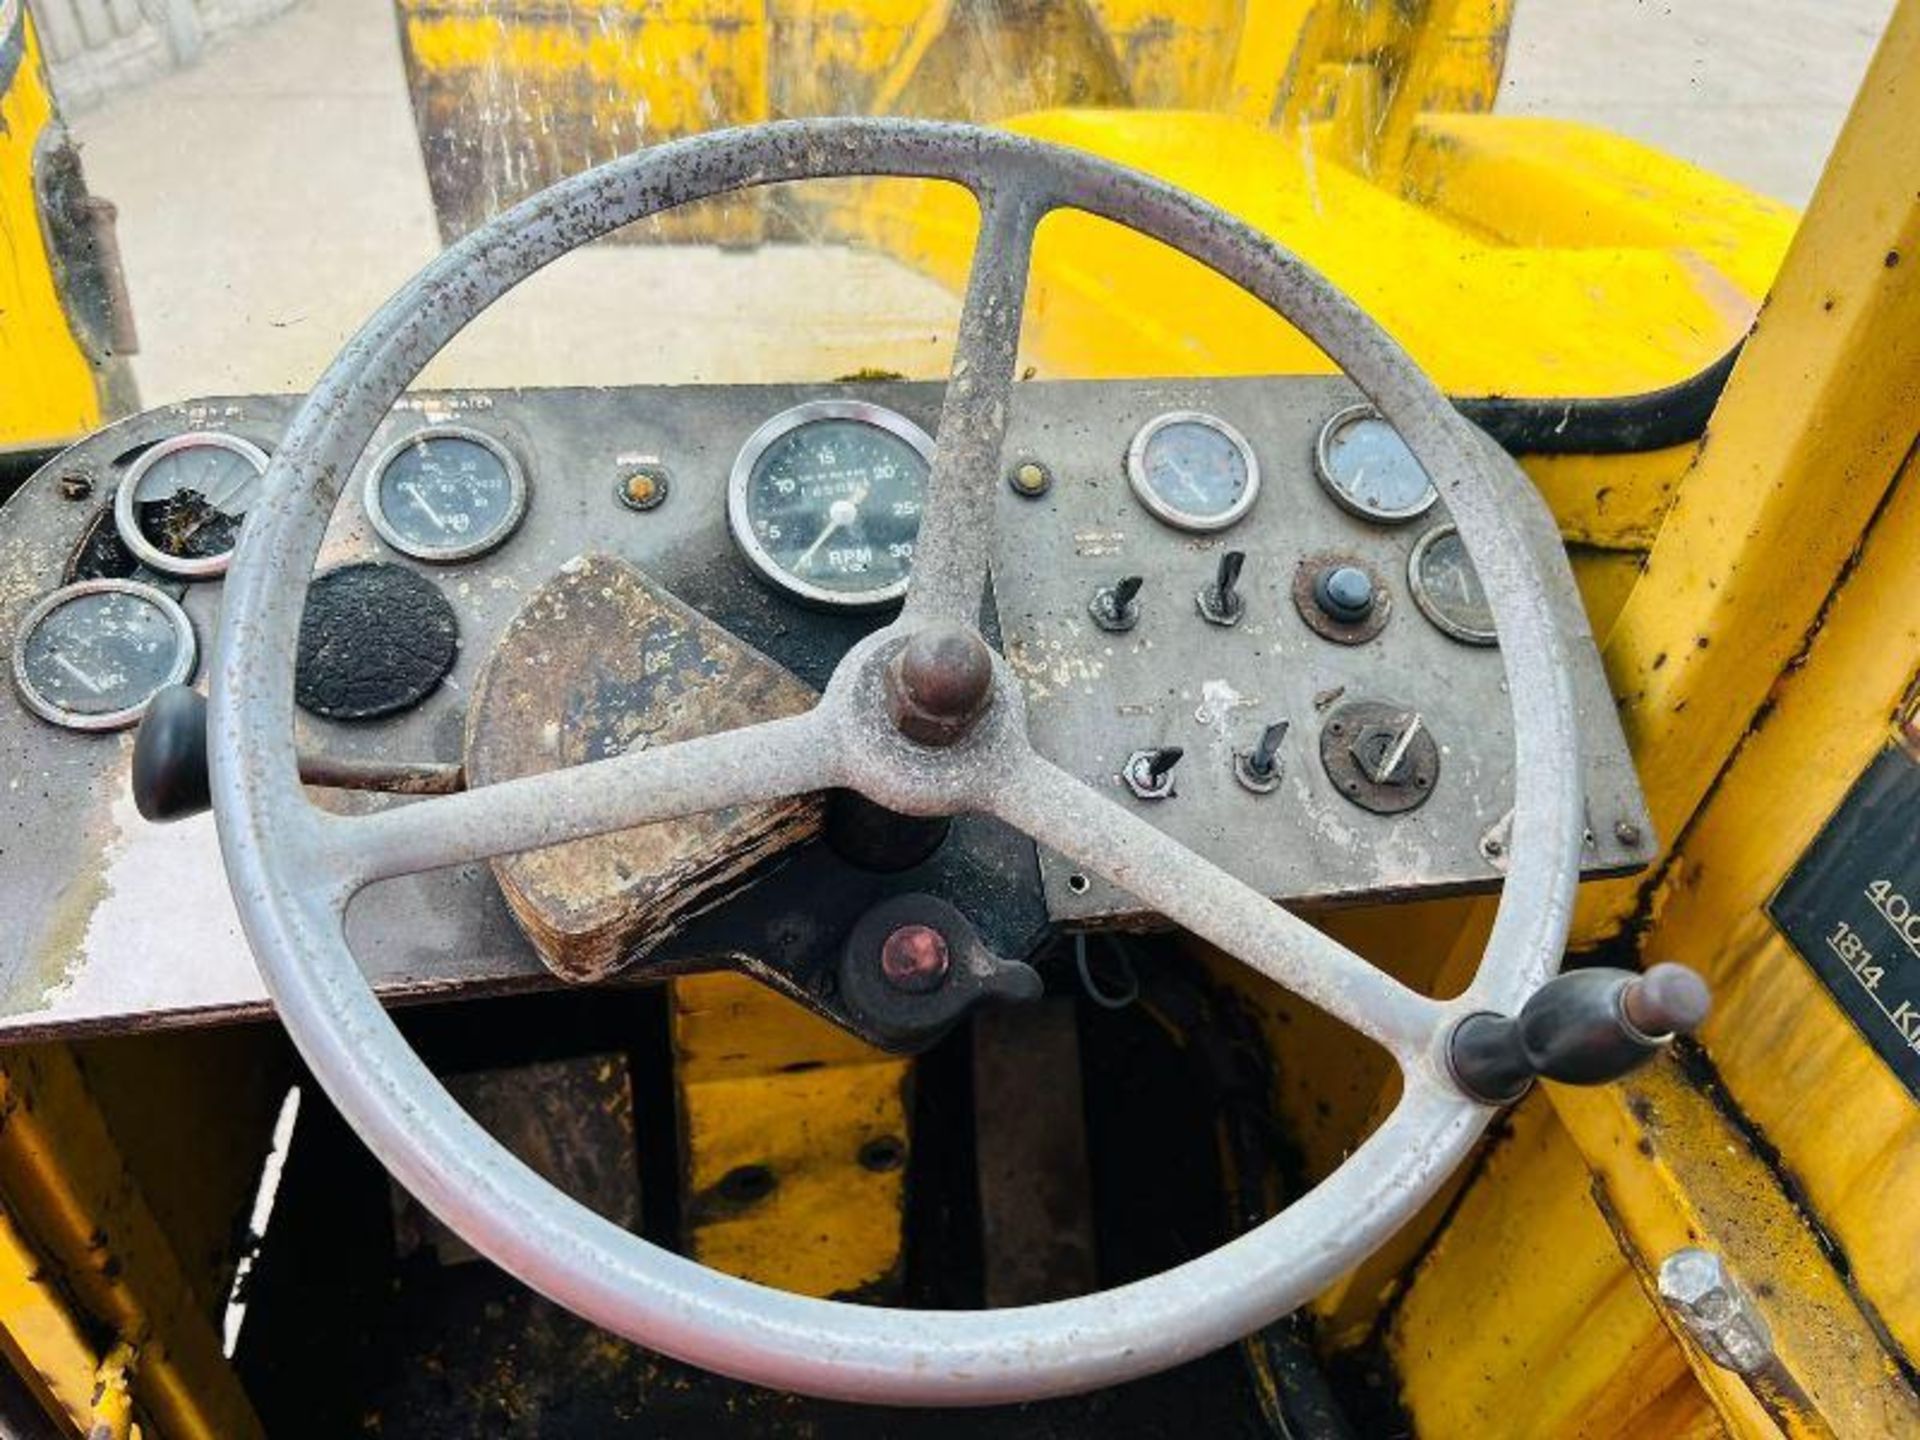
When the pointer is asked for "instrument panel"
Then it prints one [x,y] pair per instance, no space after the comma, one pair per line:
[1236,606]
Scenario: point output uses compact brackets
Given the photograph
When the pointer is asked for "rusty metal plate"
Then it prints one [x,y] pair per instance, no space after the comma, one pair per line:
[600,661]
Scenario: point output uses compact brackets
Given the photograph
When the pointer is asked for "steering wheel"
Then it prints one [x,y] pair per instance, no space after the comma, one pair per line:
[921,717]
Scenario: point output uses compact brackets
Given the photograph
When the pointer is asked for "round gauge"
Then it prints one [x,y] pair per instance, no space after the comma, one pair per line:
[90,656]
[1447,588]
[1193,470]
[1368,469]
[181,505]
[825,501]
[445,493]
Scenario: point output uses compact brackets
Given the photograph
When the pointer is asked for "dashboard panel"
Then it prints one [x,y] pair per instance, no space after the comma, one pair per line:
[1374,717]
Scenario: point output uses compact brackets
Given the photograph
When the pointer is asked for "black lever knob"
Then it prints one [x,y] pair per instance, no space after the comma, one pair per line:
[170,756]
[1586,1027]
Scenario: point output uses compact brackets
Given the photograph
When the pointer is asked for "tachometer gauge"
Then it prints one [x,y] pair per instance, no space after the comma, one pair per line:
[1368,470]
[1193,470]
[1447,588]
[825,501]
[182,503]
[445,493]
[90,656]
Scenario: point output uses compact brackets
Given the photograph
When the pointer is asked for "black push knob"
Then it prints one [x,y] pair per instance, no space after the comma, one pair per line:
[1586,1027]
[170,756]
[1344,592]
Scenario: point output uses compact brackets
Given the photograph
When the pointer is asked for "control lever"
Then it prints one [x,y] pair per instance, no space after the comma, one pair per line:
[170,763]
[913,965]
[1585,1027]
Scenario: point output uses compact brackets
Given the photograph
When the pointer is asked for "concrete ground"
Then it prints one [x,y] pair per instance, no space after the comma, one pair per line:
[272,196]
[1751,89]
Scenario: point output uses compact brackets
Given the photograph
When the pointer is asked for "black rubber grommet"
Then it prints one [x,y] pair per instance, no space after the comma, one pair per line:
[376,639]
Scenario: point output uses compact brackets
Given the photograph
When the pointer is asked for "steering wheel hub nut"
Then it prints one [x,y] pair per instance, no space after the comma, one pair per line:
[939,684]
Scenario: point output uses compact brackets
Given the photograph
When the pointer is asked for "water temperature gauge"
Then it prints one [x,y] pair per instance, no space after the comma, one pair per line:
[446,493]
[825,502]
[90,656]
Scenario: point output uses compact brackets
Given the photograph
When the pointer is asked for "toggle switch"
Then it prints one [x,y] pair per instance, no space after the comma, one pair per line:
[1221,602]
[1258,769]
[1149,773]
[1116,607]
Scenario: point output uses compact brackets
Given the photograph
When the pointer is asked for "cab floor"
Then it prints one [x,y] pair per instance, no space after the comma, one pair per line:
[344,1337]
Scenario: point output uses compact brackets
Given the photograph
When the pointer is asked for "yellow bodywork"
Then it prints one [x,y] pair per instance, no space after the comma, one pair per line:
[764,1086]
[47,386]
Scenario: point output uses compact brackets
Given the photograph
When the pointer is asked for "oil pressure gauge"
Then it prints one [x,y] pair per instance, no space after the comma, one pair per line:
[90,656]
[181,505]
[1447,588]
[1193,470]
[825,502]
[1369,471]
[445,493]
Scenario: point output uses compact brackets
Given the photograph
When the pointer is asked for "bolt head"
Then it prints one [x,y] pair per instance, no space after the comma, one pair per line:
[1219,609]
[914,959]
[1371,746]
[1140,779]
[1715,1312]
[939,684]
[1260,782]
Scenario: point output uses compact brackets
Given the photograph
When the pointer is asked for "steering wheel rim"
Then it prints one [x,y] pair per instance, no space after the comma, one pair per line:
[293,868]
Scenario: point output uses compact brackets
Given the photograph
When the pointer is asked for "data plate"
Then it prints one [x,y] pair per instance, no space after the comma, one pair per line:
[1851,907]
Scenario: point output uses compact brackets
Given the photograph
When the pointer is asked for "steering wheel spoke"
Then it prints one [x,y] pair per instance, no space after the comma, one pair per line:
[1100,835]
[956,528]
[751,765]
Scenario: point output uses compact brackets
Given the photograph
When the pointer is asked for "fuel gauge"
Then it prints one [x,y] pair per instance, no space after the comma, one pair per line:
[90,656]
[1193,470]
[446,493]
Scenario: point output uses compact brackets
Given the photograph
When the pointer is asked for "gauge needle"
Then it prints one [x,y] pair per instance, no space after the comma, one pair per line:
[75,671]
[413,492]
[221,501]
[840,514]
[1186,479]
